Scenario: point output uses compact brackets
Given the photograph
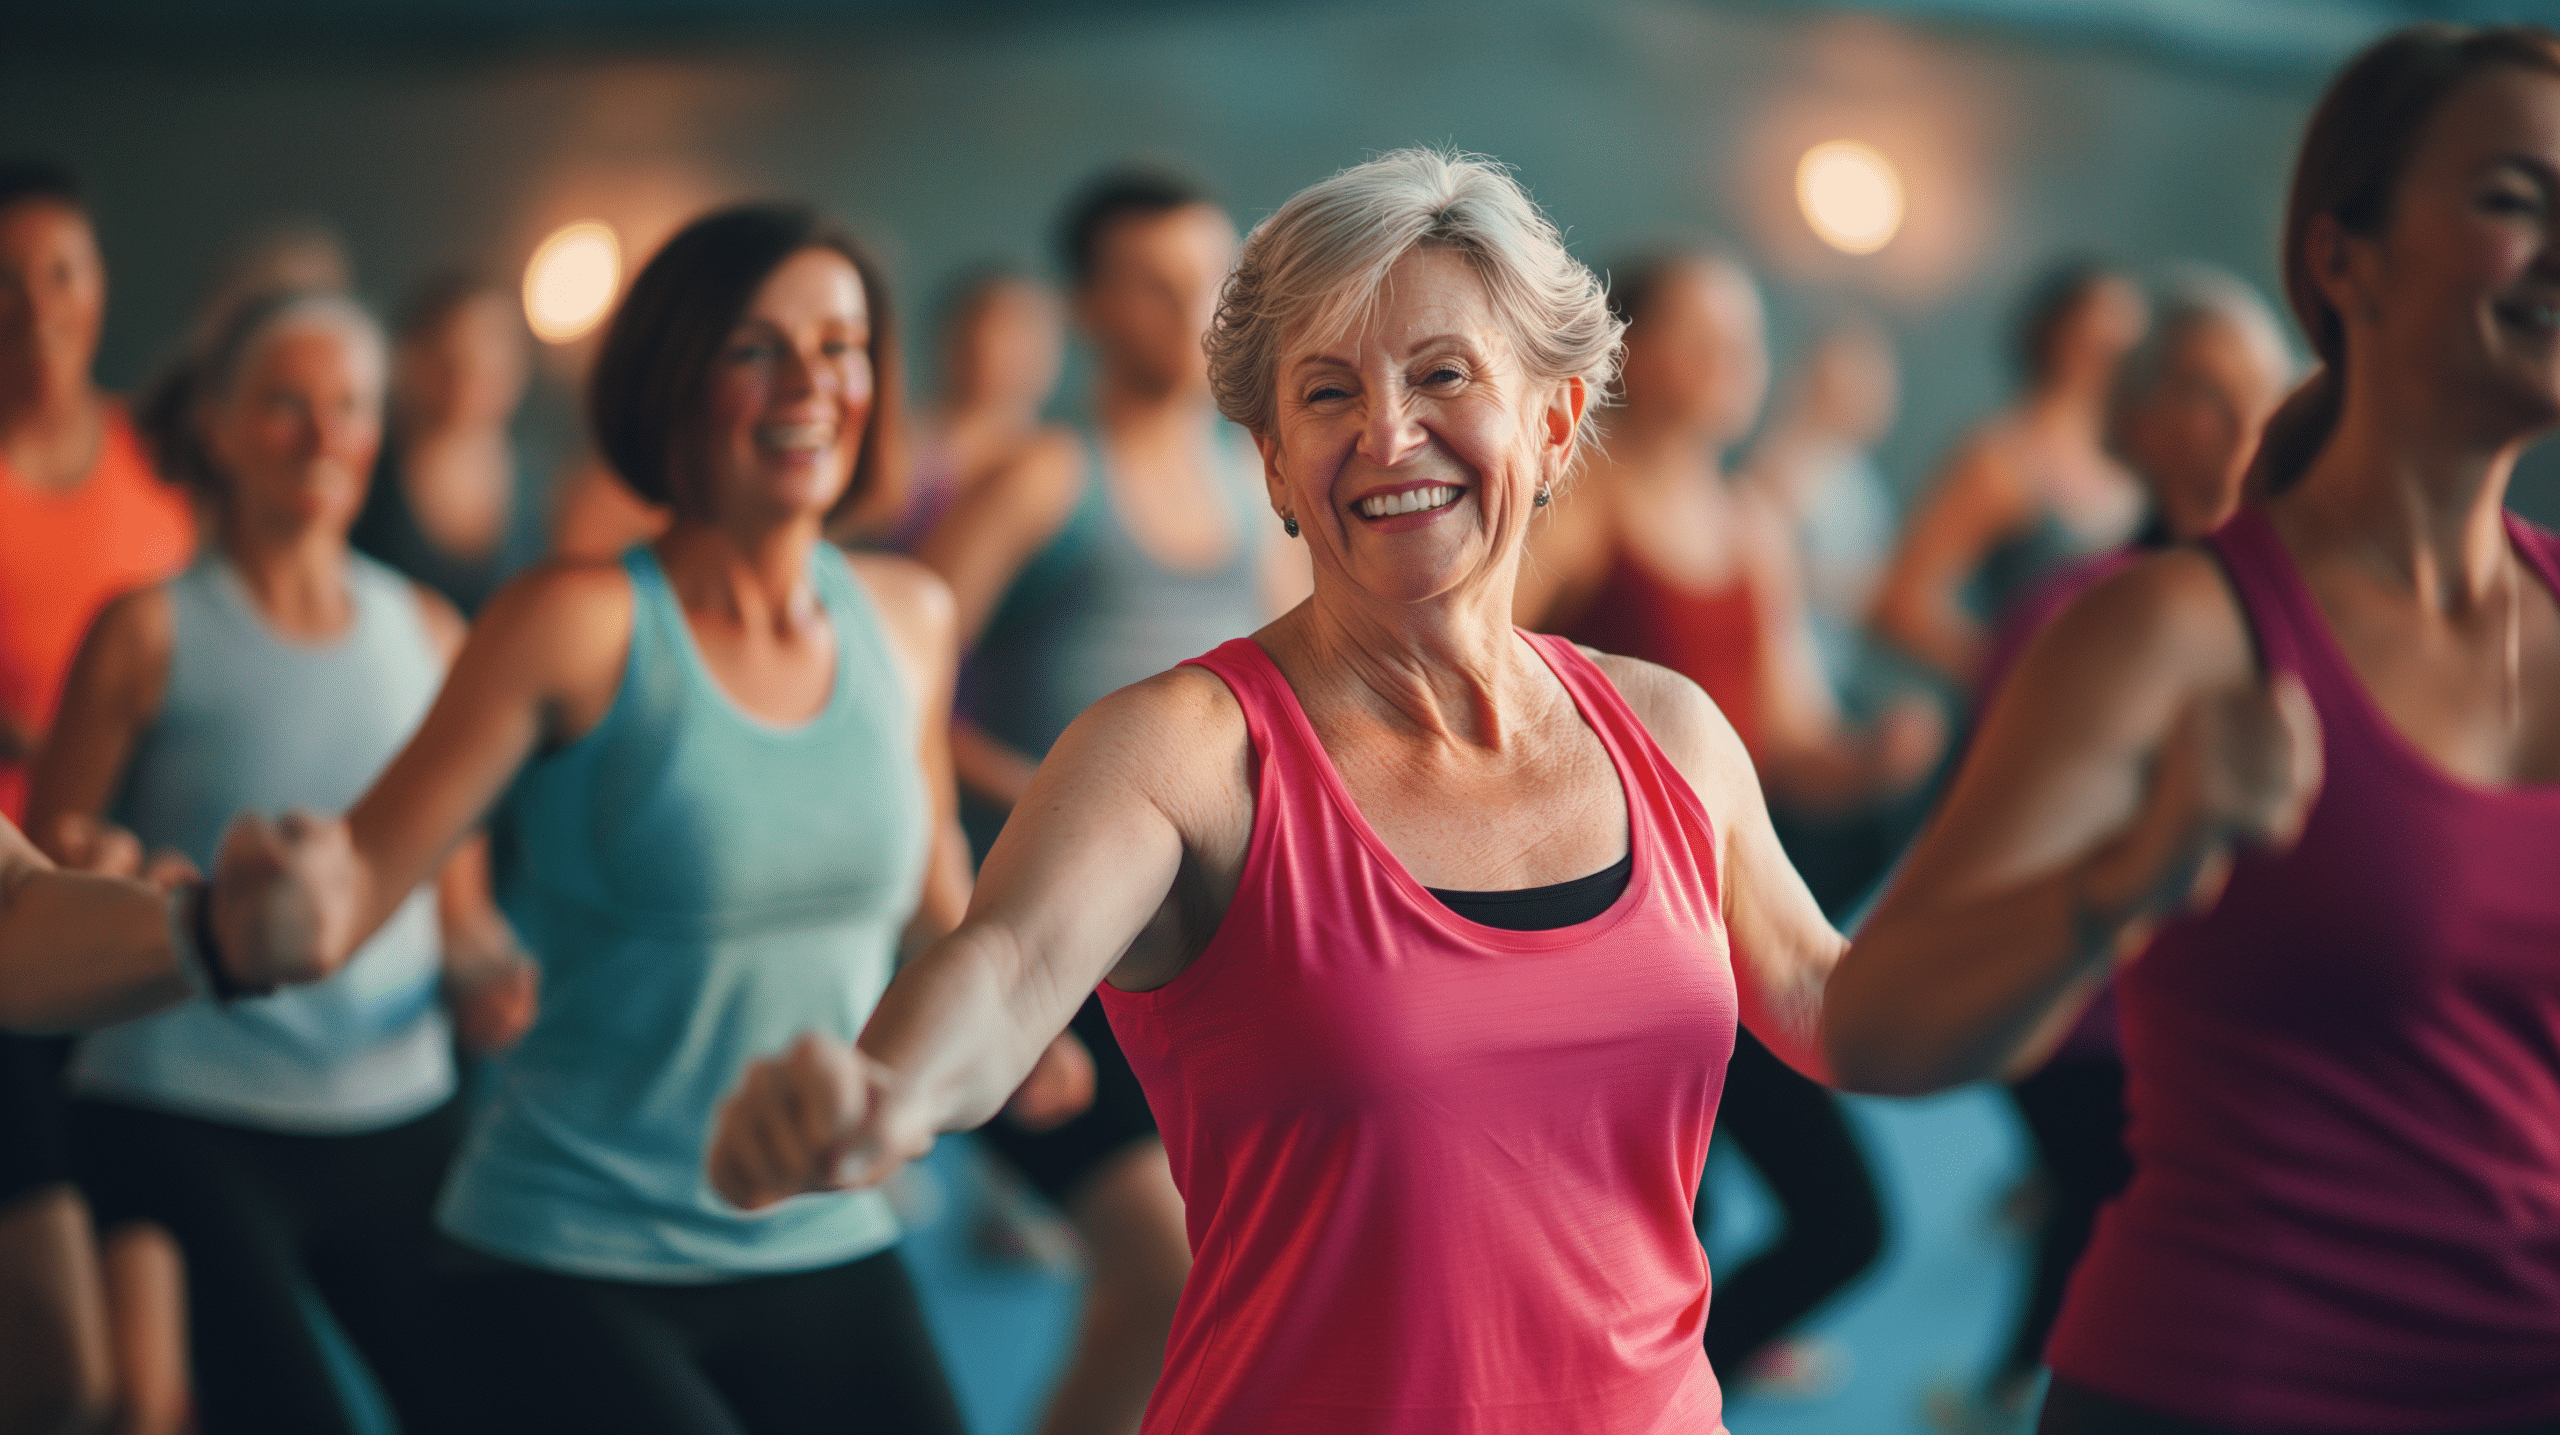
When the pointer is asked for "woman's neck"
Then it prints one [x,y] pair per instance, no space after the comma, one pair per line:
[295,575]
[2418,501]
[1446,669]
[458,478]
[755,574]
[52,431]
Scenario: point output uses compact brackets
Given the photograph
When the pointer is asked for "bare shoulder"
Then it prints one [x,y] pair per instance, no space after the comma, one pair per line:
[912,598]
[1044,475]
[2173,611]
[1179,737]
[444,622]
[561,616]
[1682,720]
[134,626]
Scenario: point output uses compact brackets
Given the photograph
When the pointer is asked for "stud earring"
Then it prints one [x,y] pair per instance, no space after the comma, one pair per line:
[1543,497]
[1289,526]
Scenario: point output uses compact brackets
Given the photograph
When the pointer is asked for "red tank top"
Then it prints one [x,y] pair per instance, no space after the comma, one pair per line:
[1710,638]
[1438,1175]
[62,556]
[2345,1095]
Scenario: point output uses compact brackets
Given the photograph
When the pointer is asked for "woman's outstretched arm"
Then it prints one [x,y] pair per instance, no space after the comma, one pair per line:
[1076,889]
[2135,745]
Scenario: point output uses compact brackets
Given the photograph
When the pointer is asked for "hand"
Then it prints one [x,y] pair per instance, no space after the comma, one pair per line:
[284,899]
[1058,1089]
[89,844]
[2242,768]
[493,1001]
[820,1117]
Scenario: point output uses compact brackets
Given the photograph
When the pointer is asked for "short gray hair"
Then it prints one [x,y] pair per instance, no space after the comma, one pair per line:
[2195,297]
[1316,267]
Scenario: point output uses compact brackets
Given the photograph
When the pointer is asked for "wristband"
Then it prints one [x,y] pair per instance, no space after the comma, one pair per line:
[177,905]
[226,988]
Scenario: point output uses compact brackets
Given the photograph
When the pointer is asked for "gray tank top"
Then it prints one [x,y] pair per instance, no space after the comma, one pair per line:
[254,721]
[1092,612]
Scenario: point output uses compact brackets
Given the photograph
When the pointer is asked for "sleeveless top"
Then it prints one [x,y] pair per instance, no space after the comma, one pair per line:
[2344,1085]
[1093,612]
[1438,1175]
[1712,638]
[62,556]
[2021,562]
[701,887]
[252,721]
[388,529]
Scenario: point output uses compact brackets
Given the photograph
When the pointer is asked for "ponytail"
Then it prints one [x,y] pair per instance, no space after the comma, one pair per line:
[2295,433]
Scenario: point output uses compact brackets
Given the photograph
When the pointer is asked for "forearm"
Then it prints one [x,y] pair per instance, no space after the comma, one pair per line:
[78,951]
[963,1024]
[1934,995]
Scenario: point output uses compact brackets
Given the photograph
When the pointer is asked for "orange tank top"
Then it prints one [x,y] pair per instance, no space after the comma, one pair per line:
[62,556]
[1712,638]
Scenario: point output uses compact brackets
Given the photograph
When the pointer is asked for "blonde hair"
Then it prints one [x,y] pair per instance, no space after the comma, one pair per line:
[1316,266]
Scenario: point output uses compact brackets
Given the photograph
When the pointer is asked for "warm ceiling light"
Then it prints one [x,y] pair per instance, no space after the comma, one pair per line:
[570,283]
[1850,195]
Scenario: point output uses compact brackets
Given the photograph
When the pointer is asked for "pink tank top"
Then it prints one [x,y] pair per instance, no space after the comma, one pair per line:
[1438,1175]
[2345,1095]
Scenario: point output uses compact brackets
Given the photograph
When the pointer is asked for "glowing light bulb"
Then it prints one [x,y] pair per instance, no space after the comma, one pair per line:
[1851,195]
[571,280]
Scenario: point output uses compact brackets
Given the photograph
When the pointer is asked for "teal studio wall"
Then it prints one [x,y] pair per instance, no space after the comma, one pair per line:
[951,140]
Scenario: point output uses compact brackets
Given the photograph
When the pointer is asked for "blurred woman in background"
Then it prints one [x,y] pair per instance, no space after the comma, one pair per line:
[453,503]
[726,755]
[1003,340]
[2344,1077]
[2190,402]
[294,1140]
[1660,555]
[2030,491]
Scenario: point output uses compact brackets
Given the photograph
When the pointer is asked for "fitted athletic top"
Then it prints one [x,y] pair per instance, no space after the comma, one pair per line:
[254,721]
[1712,638]
[2345,1094]
[701,887]
[1093,612]
[388,528]
[62,556]
[1438,1175]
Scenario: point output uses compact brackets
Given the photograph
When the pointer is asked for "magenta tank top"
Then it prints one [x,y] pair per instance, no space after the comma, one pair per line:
[1438,1175]
[2345,1094]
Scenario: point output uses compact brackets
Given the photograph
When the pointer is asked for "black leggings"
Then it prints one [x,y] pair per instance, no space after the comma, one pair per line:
[2074,1112]
[262,1218]
[842,1349]
[1794,1133]
[2071,1408]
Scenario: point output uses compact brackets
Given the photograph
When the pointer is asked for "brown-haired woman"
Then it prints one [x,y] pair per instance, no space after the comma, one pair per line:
[2344,1078]
[726,755]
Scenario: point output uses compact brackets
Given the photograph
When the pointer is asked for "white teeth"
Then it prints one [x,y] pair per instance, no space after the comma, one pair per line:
[791,436]
[1412,500]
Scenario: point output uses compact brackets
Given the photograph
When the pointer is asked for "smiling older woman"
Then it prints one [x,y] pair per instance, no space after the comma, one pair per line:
[1426,936]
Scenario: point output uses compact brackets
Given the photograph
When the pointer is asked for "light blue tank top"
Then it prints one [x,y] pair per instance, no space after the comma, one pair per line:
[255,721]
[700,887]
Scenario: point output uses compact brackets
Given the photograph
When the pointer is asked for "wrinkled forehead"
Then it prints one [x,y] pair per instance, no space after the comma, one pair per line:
[1429,293]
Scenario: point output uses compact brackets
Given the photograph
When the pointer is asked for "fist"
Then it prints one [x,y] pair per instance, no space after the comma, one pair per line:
[819,1117]
[493,1002]
[1058,1089]
[86,844]
[2242,768]
[284,898]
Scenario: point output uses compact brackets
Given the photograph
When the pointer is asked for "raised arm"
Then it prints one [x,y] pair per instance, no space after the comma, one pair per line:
[1144,793]
[2135,744]
[110,699]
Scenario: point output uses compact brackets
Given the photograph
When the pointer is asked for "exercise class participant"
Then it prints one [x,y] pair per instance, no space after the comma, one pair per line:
[1661,556]
[2190,402]
[454,504]
[2343,1083]
[294,1141]
[1003,340]
[1101,556]
[2030,491]
[725,754]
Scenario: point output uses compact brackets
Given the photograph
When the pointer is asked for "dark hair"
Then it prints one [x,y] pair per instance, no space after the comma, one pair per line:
[2353,153]
[2046,310]
[170,414]
[439,295]
[651,376]
[42,179]
[1111,197]
[1634,286]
